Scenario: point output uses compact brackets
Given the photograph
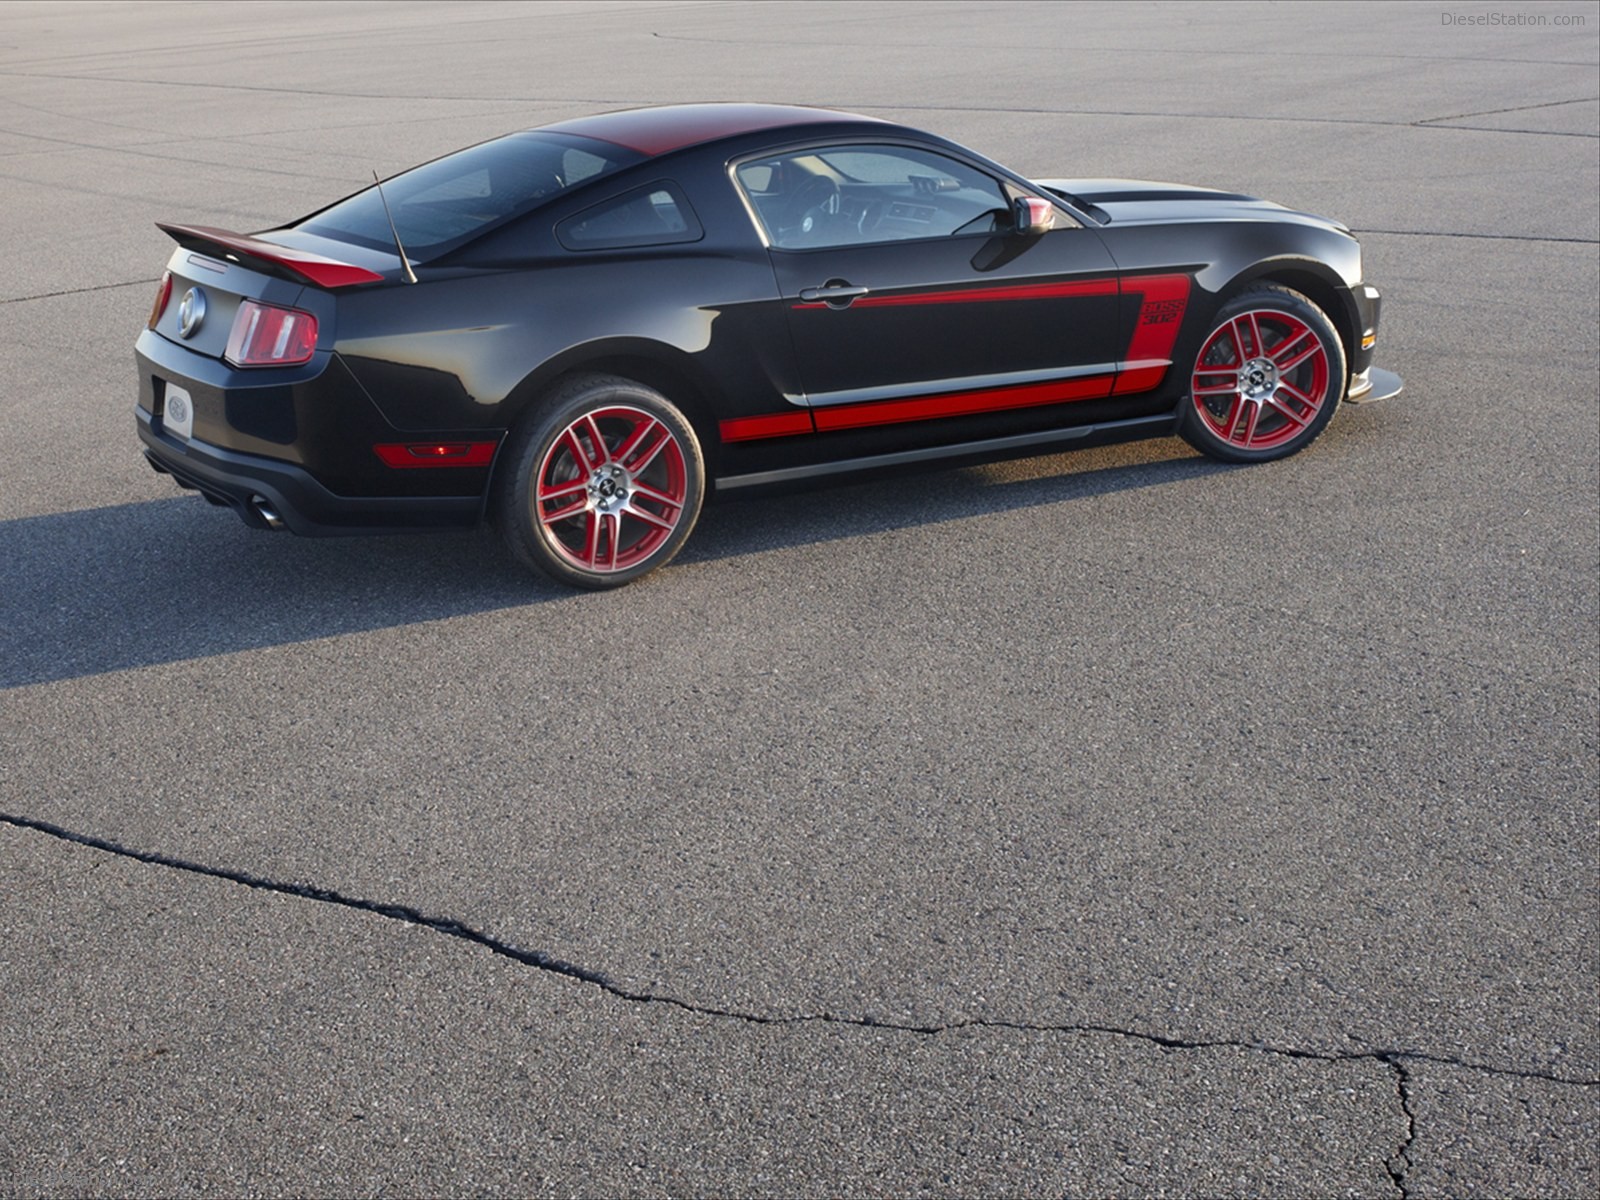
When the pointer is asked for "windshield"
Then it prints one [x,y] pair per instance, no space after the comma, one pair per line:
[441,204]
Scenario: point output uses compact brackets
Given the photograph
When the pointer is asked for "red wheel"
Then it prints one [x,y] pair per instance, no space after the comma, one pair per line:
[605,484]
[1266,380]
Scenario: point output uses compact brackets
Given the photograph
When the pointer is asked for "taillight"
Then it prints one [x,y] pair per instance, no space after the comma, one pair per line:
[163,294]
[266,336]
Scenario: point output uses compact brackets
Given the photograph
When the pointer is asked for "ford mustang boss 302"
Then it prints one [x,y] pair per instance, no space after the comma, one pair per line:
[581,332]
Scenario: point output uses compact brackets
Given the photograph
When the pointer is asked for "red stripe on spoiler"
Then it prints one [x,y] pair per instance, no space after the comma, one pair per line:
[314,268]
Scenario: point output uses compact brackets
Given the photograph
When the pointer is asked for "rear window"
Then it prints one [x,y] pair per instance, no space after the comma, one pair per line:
[441,204]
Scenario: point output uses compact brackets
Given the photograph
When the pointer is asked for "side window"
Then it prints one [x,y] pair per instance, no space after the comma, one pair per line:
[654,215]
[853,195]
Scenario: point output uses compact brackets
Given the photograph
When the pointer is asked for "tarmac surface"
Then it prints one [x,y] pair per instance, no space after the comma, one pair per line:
[1103,823]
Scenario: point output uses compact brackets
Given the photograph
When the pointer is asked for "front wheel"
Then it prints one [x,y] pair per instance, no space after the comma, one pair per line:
[602,485]
[1267,379]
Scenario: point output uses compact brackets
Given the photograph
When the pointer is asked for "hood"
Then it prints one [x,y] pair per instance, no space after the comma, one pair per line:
[1142,202]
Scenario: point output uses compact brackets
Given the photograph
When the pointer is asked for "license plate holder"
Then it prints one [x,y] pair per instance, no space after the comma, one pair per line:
[177,412]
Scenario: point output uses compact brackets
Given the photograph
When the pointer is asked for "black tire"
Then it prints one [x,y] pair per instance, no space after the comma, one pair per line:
[1267,379]
[601,483]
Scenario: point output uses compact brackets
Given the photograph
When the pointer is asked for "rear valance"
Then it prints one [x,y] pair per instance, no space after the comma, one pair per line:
[300,265]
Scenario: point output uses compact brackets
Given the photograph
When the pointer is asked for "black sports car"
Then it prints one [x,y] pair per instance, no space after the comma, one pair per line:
[580,331]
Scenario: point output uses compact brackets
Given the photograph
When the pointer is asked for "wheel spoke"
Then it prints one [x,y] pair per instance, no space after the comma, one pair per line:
[555,491]
[591,538]
[1232,418]
[602,454]
[1279,352]
[1246,337]
[650,518]
[644,489]
[1236,335]
[634,440]
[1252,413]
[611,524]
[574,444]
[1297,395]
[1303,357]
[648,456]
[1280,407]
[1309,352]
[562,514]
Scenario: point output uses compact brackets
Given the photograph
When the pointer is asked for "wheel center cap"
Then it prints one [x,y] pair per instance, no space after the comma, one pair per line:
[608,489]
[1258,378]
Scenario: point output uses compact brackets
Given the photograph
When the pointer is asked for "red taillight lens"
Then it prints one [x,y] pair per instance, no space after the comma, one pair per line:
[163,294]
[266,336]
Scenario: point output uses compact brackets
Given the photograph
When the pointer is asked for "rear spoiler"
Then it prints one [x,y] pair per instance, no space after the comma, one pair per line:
[300,265]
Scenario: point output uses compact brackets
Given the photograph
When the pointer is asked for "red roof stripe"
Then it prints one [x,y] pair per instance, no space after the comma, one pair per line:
[655,131]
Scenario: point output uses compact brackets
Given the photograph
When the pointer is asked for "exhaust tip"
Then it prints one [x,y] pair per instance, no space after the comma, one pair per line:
[263,509]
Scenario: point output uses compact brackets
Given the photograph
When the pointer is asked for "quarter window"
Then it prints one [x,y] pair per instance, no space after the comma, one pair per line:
[654,215]
[851,195]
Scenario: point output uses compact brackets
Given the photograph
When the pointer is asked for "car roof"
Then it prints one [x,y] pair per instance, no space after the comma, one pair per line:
[653,131]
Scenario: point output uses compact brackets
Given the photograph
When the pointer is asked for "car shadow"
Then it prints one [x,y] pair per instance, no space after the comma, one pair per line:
[161,581]
[749,526]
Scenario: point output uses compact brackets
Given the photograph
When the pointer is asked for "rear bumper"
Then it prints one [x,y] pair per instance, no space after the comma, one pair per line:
[255,486]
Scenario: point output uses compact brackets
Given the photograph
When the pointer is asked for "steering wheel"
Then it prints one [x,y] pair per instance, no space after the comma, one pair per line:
[813,201]
[871,214]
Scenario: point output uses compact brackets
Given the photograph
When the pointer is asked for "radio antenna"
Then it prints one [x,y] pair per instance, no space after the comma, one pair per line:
[404,261]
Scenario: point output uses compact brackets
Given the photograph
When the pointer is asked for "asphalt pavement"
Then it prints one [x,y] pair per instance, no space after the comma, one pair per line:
[1114,822]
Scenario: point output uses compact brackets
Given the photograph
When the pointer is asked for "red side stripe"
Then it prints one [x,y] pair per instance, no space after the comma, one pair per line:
[1165,298]
[960,404]
[744,429]
[1021,291]
[1140,377]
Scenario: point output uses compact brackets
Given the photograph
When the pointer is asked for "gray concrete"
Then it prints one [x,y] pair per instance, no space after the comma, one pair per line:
[1108,822]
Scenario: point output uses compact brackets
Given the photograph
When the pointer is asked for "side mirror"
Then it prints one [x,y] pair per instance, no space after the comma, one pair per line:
[1031,216]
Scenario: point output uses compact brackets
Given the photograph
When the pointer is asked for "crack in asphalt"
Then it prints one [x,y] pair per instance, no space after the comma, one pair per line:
[134,151]
[546,962]
[1429,123]
[1484,237]
[1400,1162]
[1212,52]
[1396,1165]
[99,287]
[1495,112]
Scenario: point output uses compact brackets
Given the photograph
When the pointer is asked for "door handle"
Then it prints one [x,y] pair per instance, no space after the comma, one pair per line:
[836,293]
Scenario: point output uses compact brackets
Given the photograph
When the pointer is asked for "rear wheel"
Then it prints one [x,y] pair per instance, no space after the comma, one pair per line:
[602,484]
[1267,379]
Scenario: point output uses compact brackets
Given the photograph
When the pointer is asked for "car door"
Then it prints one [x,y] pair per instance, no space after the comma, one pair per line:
[911,300]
